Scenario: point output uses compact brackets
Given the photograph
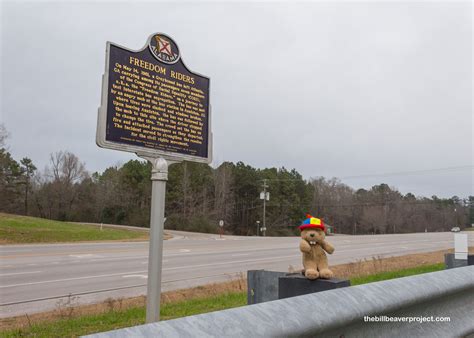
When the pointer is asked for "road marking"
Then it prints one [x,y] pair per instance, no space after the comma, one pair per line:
[68,279]
[18,273]
[84,256]
[118,258]
[227,275]
[232,262]
[135,276]
[184,250]
[66,253]
[140,272]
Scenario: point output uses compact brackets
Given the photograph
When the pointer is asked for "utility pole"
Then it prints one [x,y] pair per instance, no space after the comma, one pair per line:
[266,197]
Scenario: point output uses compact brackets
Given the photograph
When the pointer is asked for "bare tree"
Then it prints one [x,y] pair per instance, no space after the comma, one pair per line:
[65,172]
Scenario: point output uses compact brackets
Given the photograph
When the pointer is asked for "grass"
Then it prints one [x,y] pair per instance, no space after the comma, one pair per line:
[134,316]
[22,229]
[396,274]
[116,318]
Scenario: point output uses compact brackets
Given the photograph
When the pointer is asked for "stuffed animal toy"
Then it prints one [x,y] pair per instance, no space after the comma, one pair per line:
[314,247]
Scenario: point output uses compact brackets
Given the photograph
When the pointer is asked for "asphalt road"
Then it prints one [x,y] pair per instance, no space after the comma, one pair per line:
[35,278]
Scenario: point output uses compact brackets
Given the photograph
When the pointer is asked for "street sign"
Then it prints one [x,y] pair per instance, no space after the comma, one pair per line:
[153,105]
[221,223]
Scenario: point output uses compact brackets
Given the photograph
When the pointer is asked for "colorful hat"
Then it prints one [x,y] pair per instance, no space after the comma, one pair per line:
[312,222]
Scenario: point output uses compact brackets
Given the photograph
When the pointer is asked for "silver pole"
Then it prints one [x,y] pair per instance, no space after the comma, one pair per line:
[159,176]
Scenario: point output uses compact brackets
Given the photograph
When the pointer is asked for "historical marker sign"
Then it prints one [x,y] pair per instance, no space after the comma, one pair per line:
[153,105]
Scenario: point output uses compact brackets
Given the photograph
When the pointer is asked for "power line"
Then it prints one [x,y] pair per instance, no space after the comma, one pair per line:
[413,172]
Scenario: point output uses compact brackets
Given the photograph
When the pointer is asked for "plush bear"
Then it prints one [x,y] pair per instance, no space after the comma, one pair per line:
[314,247]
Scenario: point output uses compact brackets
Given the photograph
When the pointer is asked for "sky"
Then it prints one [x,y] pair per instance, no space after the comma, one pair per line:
[336,89]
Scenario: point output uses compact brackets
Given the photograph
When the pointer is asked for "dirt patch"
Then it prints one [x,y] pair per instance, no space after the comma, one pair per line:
[237,284]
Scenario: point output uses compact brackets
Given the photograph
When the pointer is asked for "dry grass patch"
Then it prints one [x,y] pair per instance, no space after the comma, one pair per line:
[375,265]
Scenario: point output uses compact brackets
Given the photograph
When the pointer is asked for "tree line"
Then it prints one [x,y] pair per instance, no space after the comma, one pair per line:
[198,196]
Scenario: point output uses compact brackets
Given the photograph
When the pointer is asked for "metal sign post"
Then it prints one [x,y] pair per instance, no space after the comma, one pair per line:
[159,176]
[154,106]
[221,227]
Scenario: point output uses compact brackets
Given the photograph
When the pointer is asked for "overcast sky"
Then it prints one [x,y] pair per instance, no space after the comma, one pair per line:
[329,88]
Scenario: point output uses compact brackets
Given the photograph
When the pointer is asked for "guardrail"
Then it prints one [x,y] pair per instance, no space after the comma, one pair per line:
[340,312]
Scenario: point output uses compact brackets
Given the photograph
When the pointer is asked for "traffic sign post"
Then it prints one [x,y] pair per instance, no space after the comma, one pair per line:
[221,227]
[154,106]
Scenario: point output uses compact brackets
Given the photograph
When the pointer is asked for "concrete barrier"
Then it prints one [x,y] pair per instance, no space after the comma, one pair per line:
[340,312]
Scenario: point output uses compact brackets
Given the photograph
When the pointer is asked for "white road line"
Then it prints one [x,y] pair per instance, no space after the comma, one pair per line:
[84,256]
[140,272]
[135,276]
[231,262]
[118,258]
[18,273]
[69,279]
[184,250]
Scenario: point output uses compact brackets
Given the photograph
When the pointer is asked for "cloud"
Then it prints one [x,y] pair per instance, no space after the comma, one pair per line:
[333,89]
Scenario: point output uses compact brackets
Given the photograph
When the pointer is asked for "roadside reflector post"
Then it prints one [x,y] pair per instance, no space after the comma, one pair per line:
[159,176]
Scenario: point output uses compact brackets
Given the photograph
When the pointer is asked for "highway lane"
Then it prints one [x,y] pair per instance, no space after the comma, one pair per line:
[34,272]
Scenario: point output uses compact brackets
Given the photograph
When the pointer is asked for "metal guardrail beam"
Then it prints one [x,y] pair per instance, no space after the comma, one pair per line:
[448,293]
